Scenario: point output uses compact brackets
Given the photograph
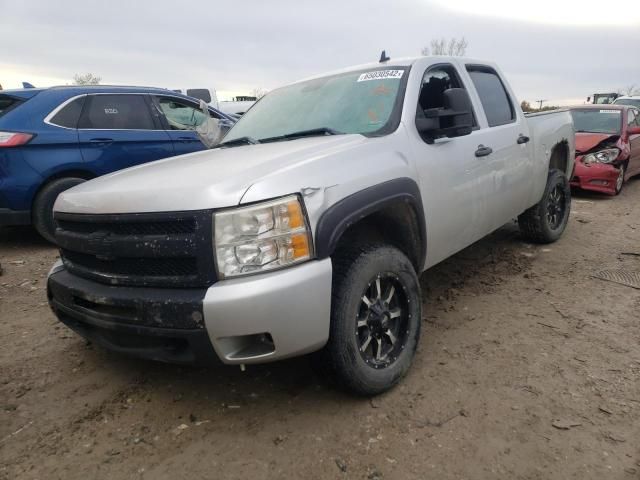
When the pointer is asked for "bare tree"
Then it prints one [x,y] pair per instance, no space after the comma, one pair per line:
[258,92]
[454,47]
[630,90]
[526,106]
[86,79]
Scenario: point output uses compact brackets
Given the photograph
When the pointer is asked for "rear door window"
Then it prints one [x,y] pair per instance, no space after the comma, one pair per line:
[8,103]
[69,115]
[116,112]
[494,97]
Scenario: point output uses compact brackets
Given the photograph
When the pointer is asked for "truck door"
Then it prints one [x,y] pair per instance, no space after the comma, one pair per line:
[510,163]
[117,131]
[455,177]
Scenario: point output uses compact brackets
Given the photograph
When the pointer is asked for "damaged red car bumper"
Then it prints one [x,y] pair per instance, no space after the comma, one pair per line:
[598,177]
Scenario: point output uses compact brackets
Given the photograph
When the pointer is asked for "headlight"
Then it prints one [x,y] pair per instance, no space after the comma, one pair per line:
[603,156]
[261,237]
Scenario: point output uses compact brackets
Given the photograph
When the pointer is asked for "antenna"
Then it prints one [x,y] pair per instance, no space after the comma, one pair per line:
[383,57]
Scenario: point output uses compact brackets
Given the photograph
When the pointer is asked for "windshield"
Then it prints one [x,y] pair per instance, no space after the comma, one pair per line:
[628,101]
[597,121]
[367,102]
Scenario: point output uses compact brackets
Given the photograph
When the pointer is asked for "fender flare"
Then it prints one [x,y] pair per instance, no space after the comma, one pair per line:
[353,208]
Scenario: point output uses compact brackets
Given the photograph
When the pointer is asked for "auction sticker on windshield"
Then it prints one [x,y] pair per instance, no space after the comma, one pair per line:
[380,75]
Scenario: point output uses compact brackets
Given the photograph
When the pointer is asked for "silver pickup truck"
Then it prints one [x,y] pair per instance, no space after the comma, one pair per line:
[306,229]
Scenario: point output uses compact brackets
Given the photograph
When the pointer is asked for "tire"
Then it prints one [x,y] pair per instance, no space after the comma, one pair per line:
[620,179]
[356,275]
[546,221]
[42,212]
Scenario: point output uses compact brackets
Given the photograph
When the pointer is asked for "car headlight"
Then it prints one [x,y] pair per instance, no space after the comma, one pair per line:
[261,237]
[603,156]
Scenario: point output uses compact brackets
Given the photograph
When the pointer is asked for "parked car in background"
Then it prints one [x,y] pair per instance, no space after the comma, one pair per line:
[633,100]
[607,146]
[54,138]
[603,98]
[237,106]
[308,233]
[208,95]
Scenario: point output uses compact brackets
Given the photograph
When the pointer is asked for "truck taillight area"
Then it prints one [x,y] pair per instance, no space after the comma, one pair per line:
[14,139]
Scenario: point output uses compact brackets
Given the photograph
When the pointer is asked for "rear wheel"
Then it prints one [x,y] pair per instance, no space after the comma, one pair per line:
[546,221]
[375,321]
[42,212]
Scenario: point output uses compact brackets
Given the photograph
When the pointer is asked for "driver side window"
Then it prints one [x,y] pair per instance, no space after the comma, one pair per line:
[180,115]
[435,81]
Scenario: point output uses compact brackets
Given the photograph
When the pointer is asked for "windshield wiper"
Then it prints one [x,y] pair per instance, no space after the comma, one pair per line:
[313,132]
[239,141]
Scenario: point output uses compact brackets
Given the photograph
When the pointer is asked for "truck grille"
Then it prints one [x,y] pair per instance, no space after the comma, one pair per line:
[172,249]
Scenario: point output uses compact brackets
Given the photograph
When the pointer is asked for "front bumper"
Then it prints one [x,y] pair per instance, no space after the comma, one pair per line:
[254,319]
[10,217]
[598,177]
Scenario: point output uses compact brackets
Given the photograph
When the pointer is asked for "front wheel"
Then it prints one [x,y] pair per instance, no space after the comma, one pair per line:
[620,180]
[42,212]
[375,320]
[546,221]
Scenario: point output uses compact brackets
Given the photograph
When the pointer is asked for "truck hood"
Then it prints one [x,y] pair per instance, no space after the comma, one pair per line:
[197,181]
[588,141]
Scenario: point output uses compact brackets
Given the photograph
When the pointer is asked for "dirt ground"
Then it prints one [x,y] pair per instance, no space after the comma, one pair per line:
[528,368]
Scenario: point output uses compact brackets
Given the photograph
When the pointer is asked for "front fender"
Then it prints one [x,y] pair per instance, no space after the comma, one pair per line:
[348,211]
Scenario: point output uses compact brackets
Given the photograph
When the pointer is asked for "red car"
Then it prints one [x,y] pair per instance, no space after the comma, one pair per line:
[607,146]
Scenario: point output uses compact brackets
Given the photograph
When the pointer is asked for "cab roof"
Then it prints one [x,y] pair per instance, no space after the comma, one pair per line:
[399,62]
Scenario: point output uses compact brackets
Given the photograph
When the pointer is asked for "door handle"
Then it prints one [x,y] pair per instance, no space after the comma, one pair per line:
[522,139]
[101,141]
[188,139]
[483,151]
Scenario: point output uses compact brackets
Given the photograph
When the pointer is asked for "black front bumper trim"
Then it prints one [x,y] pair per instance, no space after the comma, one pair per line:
[153,323]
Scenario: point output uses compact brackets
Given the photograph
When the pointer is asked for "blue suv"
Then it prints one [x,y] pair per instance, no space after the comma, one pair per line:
[52,139]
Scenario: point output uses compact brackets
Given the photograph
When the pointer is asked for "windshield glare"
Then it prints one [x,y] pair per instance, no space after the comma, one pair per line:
[355,102]
[628,101]
[597,121]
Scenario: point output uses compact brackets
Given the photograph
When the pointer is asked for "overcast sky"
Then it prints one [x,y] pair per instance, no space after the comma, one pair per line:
[551,49]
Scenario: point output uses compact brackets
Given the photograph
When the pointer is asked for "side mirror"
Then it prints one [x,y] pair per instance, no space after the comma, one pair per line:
[633,130]
[454,120]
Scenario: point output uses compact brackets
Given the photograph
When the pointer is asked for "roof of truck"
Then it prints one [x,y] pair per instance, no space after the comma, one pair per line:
[397,62]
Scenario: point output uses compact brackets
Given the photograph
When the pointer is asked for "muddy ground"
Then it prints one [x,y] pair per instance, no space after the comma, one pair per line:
[528,368]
